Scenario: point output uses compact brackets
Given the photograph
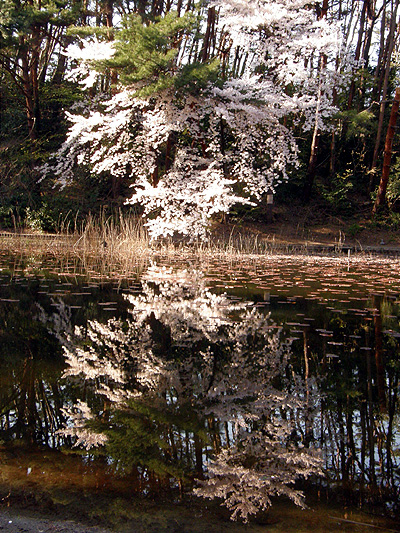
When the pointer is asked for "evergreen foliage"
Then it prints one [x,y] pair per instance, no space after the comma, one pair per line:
[305,67]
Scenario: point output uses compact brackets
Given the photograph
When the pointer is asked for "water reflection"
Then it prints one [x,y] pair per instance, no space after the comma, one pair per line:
[360,406]
[191,386]
[178,383]
[30,395]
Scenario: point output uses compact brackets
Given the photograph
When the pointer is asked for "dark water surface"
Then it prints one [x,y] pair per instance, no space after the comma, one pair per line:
[143,401]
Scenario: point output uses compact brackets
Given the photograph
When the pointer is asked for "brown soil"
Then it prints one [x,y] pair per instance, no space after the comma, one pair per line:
[311,226]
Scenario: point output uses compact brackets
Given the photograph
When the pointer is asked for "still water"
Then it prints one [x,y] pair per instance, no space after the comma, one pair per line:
[145,400]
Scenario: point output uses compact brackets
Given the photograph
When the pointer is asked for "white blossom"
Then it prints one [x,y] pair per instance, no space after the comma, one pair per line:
[127,137]
[83,55]
[232,355]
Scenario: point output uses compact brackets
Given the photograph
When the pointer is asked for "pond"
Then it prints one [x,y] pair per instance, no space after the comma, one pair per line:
[191,392]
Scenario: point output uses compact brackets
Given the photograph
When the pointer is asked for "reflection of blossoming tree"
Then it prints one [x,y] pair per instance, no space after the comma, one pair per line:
[193,370]
[261,460]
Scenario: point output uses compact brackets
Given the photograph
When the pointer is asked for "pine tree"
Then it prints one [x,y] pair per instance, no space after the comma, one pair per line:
[193,128]
[30,32]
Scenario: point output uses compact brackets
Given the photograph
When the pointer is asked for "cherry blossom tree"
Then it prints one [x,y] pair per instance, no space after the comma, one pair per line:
[195,137]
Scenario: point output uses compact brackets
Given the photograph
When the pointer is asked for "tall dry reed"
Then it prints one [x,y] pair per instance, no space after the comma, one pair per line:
[115,245]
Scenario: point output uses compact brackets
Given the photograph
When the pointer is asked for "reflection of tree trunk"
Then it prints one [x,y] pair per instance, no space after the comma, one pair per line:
[321,435]
[160,334]
[308,421]
[20,408]
[27,414]
[392,401]
[342,445]
[32,415]
[227,434]
[198,452]
[174,451]
[351,449]
[58,413]
[380,368]
[216,438]
[331,427]
[46,412]
[370,423]
[363,442]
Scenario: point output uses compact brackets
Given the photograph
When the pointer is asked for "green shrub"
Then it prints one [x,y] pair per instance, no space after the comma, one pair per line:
[41,219]
[353,230]
[337,195]
[7,217]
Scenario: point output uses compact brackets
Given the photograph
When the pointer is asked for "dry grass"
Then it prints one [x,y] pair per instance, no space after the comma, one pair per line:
[36,242]
[121,237]
[119,245]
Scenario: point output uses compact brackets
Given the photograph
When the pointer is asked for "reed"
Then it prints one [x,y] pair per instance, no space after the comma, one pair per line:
[112,237]
[115,244]
[22,242]
[237,244]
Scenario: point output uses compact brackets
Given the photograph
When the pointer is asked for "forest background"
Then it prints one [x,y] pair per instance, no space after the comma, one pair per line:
[173,56]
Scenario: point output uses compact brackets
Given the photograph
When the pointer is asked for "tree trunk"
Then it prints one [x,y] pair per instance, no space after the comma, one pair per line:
[371,19]
[157,8]
[29,55]
[381,58]
[390,47]
[209,35]
[358,52]
[108,14]
[381,196]
[60,68]
[312,164]
[34,71]
[28,94]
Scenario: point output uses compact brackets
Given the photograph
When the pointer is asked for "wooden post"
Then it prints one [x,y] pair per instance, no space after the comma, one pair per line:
[381,196]
[270,202]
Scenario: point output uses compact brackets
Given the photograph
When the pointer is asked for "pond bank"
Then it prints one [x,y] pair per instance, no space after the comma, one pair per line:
[247,239]
[281,518]
[13,521]
[292,230]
